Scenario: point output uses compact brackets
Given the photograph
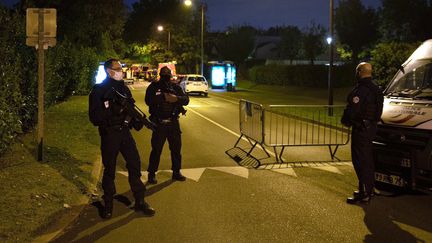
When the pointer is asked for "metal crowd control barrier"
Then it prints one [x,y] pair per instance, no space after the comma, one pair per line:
[292,125]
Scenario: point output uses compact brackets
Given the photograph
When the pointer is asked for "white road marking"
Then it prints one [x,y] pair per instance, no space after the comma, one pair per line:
[234,170]
[286,171]
[196,173]
[328,168]
[193,174]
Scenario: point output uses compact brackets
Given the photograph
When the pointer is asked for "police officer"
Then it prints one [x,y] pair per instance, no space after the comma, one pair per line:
[116,137]
[165,100]
[363,111]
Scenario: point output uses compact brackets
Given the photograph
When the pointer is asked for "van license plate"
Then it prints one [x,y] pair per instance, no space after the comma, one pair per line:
[390,179]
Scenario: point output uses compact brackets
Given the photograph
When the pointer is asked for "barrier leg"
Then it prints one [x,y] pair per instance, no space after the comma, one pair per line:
[238,140]
[250,151]
[280,155]
[265,150]
[333,152]
[276,154]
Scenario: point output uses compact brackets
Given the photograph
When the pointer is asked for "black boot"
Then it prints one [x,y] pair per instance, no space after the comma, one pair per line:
[177,176]
[108,208]
[359,197]
[142,206]
[152,178]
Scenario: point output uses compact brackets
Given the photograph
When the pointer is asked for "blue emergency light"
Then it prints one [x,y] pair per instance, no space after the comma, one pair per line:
[100,75]
[223,75]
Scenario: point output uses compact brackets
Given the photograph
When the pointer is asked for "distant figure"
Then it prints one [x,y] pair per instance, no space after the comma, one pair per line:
[165,100]
[116,137]
[363,111]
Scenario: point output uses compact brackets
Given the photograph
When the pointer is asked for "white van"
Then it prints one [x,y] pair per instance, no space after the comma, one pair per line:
[403,146]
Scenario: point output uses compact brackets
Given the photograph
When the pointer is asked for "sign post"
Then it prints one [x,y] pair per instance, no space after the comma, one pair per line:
[41,28]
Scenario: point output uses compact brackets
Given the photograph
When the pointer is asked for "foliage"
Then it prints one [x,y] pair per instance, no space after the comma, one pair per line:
[406,20]
[313,37]
[301,75]
[237,43]
[11,98]
[290,44]
[146,14]
[355,27]
[388,57]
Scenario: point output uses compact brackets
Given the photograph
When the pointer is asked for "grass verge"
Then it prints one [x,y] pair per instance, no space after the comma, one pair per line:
[286,95]
[34,193]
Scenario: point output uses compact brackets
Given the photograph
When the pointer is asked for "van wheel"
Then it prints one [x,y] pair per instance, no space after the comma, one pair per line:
[205,94]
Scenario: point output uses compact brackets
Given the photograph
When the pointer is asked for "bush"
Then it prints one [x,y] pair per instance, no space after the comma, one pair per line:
[68,70]
[388,57]
[11,99]
[302,75]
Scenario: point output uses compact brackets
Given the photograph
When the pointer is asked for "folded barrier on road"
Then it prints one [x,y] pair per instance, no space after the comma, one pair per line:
[281,126]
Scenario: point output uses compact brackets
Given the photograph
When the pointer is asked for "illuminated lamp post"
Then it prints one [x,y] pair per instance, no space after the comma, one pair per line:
[160,28]
[330,41]
[189,3]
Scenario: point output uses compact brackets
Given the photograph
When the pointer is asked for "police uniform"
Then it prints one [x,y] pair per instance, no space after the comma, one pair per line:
[165,115]
[115,137]
[363,111]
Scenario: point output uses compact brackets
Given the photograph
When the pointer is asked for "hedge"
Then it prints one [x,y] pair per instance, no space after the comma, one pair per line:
[68,70]
[302,75]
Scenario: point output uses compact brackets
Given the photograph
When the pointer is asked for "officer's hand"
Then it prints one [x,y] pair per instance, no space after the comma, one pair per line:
[170,98]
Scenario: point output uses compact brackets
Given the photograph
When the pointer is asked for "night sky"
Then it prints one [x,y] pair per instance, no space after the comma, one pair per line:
[264,13]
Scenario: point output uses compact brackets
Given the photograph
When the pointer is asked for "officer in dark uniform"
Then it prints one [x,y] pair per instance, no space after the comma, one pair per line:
[116,137]
[165,100]
[363,111]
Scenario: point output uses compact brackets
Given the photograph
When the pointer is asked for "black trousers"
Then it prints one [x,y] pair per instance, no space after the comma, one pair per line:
[112,143]
[171,132]
[362,158]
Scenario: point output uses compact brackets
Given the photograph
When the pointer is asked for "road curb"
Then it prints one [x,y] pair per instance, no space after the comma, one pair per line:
[68,217]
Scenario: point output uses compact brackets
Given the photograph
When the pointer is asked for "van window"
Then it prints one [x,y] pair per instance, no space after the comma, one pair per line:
[417,77]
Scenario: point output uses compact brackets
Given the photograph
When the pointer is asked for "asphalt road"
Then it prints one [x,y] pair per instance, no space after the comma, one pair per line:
[299,201]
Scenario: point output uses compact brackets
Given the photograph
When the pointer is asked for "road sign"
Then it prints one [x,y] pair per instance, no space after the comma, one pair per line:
[41,29]
[49,22]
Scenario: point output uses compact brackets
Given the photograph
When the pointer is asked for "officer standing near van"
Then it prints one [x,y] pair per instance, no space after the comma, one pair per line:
[116,137]
[363,111]
[165,100]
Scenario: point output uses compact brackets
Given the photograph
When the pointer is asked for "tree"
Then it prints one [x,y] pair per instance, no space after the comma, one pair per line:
[313,37]
[388,57]
[146,14]
[406,20]
[236,43]
[87,23]
[355,27]
[290,44]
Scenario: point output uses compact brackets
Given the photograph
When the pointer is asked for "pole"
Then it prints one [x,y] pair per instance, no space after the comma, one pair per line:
[41,71]
[202,38]
[169,39]
[330,76]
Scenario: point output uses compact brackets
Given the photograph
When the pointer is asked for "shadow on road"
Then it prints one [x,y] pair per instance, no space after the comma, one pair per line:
[242,158]
[384,217]
[90,218]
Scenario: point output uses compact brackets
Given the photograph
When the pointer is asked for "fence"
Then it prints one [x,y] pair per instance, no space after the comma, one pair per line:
[292,125]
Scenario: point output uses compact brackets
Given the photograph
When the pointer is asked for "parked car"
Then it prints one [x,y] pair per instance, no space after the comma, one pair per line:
[194,83]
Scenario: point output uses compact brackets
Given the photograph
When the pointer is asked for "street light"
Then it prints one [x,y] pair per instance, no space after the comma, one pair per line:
[189,3]
[330,76]
[160,28]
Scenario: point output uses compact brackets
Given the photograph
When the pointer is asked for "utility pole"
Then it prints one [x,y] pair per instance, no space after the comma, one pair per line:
[202,38]
[41,30]
[330,71]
